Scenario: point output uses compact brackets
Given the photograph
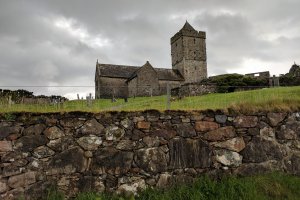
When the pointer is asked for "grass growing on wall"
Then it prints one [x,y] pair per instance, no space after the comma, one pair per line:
[270,186]
[282,98]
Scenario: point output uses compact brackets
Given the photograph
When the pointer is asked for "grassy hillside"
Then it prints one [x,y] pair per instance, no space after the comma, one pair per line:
[263,187]
[282,98]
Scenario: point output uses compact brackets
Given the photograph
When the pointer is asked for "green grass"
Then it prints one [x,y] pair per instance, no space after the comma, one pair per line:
[273,186]
[282,98]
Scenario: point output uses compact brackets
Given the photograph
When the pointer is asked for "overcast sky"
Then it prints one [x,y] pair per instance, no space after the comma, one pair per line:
[57,42]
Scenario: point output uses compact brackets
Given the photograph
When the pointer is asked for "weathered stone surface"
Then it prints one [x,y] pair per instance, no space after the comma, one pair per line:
[182,178]
[21,180]
[185,130]
[165,133]
[293,164]
[151,182]
[276,118]
[53,133]
[221,119]
[138,119]
[3,186]
[91,183]
[114,133]
[143,125]
[29,143]
[188,153]
[61,144]
[234,144]
[250,169]
[91,127]
[228,158]
[204,126]
[17,193]
[34,129]
[289,131]
[88,154]
[38,190]
[245,121]
[43,152]
[253,131]
[294,144]
[111,181]
[12,156]
[13,137]
[176,120]
[126,123]
[209,119]
[151,141]
[71,123]
[260,150]
[197,117]
[164,181]
[69,161]
[152,118]
[151,159]
[20,163]
[185,120]
[220,134]
[5,146]
[11,170]
[166,117]
[132,188]
[112,161]
[90,143]
[267,133]
[137,134]
[126,145]
[8,130]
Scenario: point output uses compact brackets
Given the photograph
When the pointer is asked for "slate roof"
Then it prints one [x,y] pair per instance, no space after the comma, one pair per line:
[134,74]
[116,71]
[169,74]
[187,27]
[129,72]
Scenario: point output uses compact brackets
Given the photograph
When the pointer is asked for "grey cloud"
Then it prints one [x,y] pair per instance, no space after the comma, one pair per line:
[33,51]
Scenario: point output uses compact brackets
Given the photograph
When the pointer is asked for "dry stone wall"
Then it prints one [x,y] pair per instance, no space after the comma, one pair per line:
[194,89]
[127,152]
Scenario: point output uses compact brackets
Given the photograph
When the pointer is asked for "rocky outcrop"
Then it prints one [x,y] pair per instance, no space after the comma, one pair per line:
[128,152]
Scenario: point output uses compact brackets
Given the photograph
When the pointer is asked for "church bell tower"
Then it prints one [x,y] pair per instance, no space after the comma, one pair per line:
[188,51]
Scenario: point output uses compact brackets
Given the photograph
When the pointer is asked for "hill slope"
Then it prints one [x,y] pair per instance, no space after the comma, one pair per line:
[282,98]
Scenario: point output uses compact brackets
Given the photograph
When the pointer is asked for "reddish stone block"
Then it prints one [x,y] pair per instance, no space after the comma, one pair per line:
[204,126]
[143,125]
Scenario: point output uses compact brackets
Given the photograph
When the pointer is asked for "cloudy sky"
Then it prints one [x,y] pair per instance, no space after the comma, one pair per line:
[57,42]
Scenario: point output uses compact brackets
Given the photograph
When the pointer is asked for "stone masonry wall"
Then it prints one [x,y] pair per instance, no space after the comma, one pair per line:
[193,89]
[127,152]
[112,87]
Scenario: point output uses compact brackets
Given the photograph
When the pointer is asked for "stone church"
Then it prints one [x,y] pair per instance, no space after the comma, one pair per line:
[188,52]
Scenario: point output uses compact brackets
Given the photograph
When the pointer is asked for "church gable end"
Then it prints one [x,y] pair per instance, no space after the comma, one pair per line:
[144,81]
